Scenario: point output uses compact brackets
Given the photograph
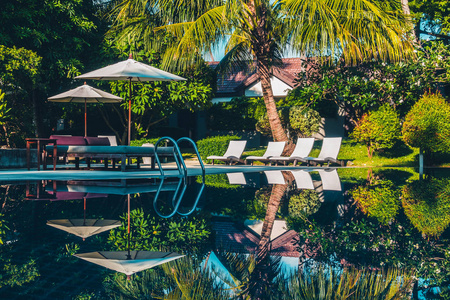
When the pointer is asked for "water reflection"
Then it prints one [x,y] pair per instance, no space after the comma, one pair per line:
[332,226]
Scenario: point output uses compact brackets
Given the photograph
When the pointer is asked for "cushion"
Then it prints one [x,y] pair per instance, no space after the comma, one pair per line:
[97,141]
[69,140]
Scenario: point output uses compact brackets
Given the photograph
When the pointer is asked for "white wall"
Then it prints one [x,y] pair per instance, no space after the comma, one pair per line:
[279,88]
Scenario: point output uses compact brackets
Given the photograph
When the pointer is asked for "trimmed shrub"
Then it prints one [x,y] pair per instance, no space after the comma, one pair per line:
[427,124]
[216,145]
[380,201]
[263,125]
[304,204]
[140,142]
[304,121]
[379,129]
[427,205]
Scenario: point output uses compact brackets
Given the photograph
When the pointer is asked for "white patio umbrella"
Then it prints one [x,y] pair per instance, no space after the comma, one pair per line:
[86,94]
[130,70]
[129,262]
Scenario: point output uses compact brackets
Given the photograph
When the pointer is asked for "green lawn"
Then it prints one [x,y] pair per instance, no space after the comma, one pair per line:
[356,155]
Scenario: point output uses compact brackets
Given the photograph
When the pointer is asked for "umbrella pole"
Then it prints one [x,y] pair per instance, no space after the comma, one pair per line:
[85,118]
[129,115]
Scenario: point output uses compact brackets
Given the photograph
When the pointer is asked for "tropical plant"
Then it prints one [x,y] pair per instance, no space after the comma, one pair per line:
[426,125]
[188,234]
[260,31]
[379,129]
[321,282]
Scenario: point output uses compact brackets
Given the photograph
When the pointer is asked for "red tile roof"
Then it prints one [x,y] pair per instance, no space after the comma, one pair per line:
[238,238]
[235,82]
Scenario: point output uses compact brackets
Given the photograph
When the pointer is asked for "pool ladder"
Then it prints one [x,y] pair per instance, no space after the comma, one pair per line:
[181,166]
[182,182]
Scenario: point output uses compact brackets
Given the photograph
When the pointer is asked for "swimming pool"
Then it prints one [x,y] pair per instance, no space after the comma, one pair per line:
[241,233]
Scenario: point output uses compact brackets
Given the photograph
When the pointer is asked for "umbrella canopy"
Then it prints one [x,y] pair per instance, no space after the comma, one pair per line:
[130,70]
[129,262]
[84,228]
[86,94]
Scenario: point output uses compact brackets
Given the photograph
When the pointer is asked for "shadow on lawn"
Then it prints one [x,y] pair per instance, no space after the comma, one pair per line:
[400,149]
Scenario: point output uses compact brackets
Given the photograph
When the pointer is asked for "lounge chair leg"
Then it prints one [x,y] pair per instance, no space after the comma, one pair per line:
[124,163]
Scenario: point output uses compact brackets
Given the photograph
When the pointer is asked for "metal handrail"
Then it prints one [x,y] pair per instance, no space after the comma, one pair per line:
[181,167]
[183,170]
[196,152]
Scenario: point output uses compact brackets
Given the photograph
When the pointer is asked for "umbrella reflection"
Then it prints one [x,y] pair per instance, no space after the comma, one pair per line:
[130,261]
[84,228]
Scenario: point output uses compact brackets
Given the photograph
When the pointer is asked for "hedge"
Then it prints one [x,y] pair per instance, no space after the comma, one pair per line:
[216,145]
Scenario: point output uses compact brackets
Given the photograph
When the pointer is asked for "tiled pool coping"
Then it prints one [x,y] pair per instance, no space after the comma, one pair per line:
[193,170]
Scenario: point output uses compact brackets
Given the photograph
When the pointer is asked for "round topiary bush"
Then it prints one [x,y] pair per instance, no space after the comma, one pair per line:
[427,124]
[427,205]
[379,129]
[380,200]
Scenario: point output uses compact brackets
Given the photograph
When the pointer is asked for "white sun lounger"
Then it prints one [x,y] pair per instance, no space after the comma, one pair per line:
[274,149]
[328,154]
[301,151]
[233,153]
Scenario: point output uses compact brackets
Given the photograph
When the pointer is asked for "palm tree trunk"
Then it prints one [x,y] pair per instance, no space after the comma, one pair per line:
[407,12]
[278,133]
[260,282]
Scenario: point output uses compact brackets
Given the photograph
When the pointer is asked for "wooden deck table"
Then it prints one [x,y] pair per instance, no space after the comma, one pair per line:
[40,145]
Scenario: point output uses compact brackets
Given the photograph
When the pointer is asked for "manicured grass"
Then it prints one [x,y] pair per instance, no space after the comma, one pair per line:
[356,155]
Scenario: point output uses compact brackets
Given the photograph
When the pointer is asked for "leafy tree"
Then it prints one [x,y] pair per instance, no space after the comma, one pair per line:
[426,125]
[19,77]
[154,102]
[379,129]
[5,116]
[64,35]
[259,32]
[358,89]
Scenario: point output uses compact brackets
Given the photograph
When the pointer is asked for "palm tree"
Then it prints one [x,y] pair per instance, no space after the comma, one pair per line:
[258,31]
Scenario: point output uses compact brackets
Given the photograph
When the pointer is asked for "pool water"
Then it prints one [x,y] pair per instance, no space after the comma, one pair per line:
[268,235]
